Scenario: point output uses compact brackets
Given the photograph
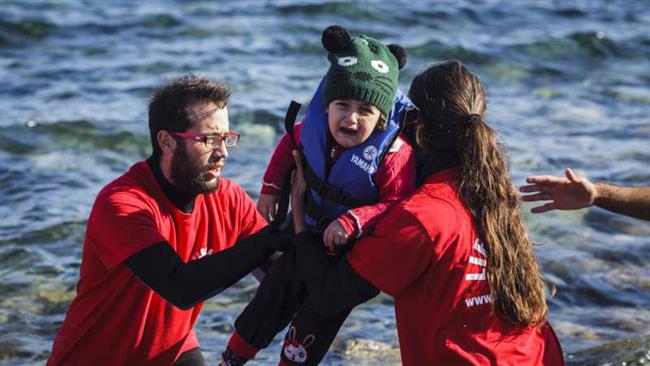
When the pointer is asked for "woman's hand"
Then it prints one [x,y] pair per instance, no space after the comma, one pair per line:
[266,205]
[298,189]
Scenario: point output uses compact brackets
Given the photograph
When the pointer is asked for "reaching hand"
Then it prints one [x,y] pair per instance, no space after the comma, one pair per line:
[266,205]
[334,235]
[298,189]
[570,193]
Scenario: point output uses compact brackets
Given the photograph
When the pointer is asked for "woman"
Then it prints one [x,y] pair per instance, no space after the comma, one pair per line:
[455,255]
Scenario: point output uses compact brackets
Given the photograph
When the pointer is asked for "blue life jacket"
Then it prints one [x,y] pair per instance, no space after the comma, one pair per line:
[349,182]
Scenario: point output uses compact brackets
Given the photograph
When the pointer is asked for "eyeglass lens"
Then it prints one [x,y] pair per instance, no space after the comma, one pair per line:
[213,142]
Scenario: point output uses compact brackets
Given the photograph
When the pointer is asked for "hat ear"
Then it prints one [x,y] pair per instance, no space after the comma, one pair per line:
[400,54]
[335,38]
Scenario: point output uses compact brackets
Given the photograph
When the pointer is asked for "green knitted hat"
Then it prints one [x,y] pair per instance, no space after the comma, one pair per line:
[362,68]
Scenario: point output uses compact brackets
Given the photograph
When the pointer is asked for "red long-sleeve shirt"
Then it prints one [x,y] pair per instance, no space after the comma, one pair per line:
[395,179]
[427,254]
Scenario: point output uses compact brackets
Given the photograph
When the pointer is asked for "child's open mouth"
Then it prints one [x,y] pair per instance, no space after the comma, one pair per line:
[348,131]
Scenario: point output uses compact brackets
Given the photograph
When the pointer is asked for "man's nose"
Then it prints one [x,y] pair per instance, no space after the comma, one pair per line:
[221,151]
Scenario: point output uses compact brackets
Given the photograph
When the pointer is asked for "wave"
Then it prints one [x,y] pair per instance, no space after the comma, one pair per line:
[436,50]
[13,33]
[259,117]
[30,28]
[579,44]
[79,135]
[68,231]
[632,351]
[339,9]
[571,13]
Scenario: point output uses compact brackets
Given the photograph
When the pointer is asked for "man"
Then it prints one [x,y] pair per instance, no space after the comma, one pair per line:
[161,239]
[573,193]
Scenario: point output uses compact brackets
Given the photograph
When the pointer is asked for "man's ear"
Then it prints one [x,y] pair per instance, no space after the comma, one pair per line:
[166,141]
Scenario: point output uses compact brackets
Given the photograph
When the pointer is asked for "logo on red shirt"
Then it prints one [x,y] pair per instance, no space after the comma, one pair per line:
[201,253]
[479,260]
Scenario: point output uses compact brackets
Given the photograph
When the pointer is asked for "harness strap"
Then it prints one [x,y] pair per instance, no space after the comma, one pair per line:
[315,212]
[283,202]
[285,193]
[290,120]
[330,192]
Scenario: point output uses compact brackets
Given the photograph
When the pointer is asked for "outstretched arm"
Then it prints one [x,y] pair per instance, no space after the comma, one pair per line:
[573,192]
[630,201]
[185,284]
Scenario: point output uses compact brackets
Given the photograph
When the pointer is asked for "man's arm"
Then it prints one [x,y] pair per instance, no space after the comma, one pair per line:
[630,201]
[573,193]
[186,284]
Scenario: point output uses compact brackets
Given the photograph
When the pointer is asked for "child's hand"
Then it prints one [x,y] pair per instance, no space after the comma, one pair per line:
[266,205]
[334,235]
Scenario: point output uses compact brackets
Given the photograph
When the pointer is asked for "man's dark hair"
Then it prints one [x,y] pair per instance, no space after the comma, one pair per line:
[170,103]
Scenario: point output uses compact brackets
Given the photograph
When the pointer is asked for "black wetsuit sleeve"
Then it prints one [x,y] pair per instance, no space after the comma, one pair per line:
[333,287]
[185,284]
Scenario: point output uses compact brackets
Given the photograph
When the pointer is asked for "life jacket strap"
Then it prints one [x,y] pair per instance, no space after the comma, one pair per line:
[283,202]
[314,211]
[290,120]
[285,193]
[330,192]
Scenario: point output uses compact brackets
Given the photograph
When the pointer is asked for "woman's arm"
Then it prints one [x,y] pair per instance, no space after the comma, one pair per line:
[390,259]
[332,287]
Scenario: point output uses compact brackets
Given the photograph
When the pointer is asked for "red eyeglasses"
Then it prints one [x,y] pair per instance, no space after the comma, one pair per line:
[211,141]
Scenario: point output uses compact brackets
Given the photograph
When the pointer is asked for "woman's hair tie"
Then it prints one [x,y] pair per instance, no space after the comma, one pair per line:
[473,118]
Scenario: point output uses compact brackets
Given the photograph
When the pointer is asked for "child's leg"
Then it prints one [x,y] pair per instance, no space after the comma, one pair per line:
[276,300]
[310,336]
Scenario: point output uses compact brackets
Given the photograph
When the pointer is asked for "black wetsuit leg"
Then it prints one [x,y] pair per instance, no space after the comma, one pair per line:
[277,299]
[334,288]
[310,336]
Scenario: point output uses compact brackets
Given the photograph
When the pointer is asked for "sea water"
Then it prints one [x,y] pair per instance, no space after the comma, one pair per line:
[568,85]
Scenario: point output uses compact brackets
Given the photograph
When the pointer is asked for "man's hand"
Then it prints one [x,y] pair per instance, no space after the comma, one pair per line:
[298,189]
[334,235]
[267,206]
[570,193]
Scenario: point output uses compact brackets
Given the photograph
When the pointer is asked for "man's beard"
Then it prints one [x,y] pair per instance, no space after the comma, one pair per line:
[189,177]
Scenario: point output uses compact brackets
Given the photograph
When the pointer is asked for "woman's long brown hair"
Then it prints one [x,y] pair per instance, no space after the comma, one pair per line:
[452,105]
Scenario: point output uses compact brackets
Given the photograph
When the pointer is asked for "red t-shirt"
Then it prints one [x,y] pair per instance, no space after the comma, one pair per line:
[426,253]
[115,319]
